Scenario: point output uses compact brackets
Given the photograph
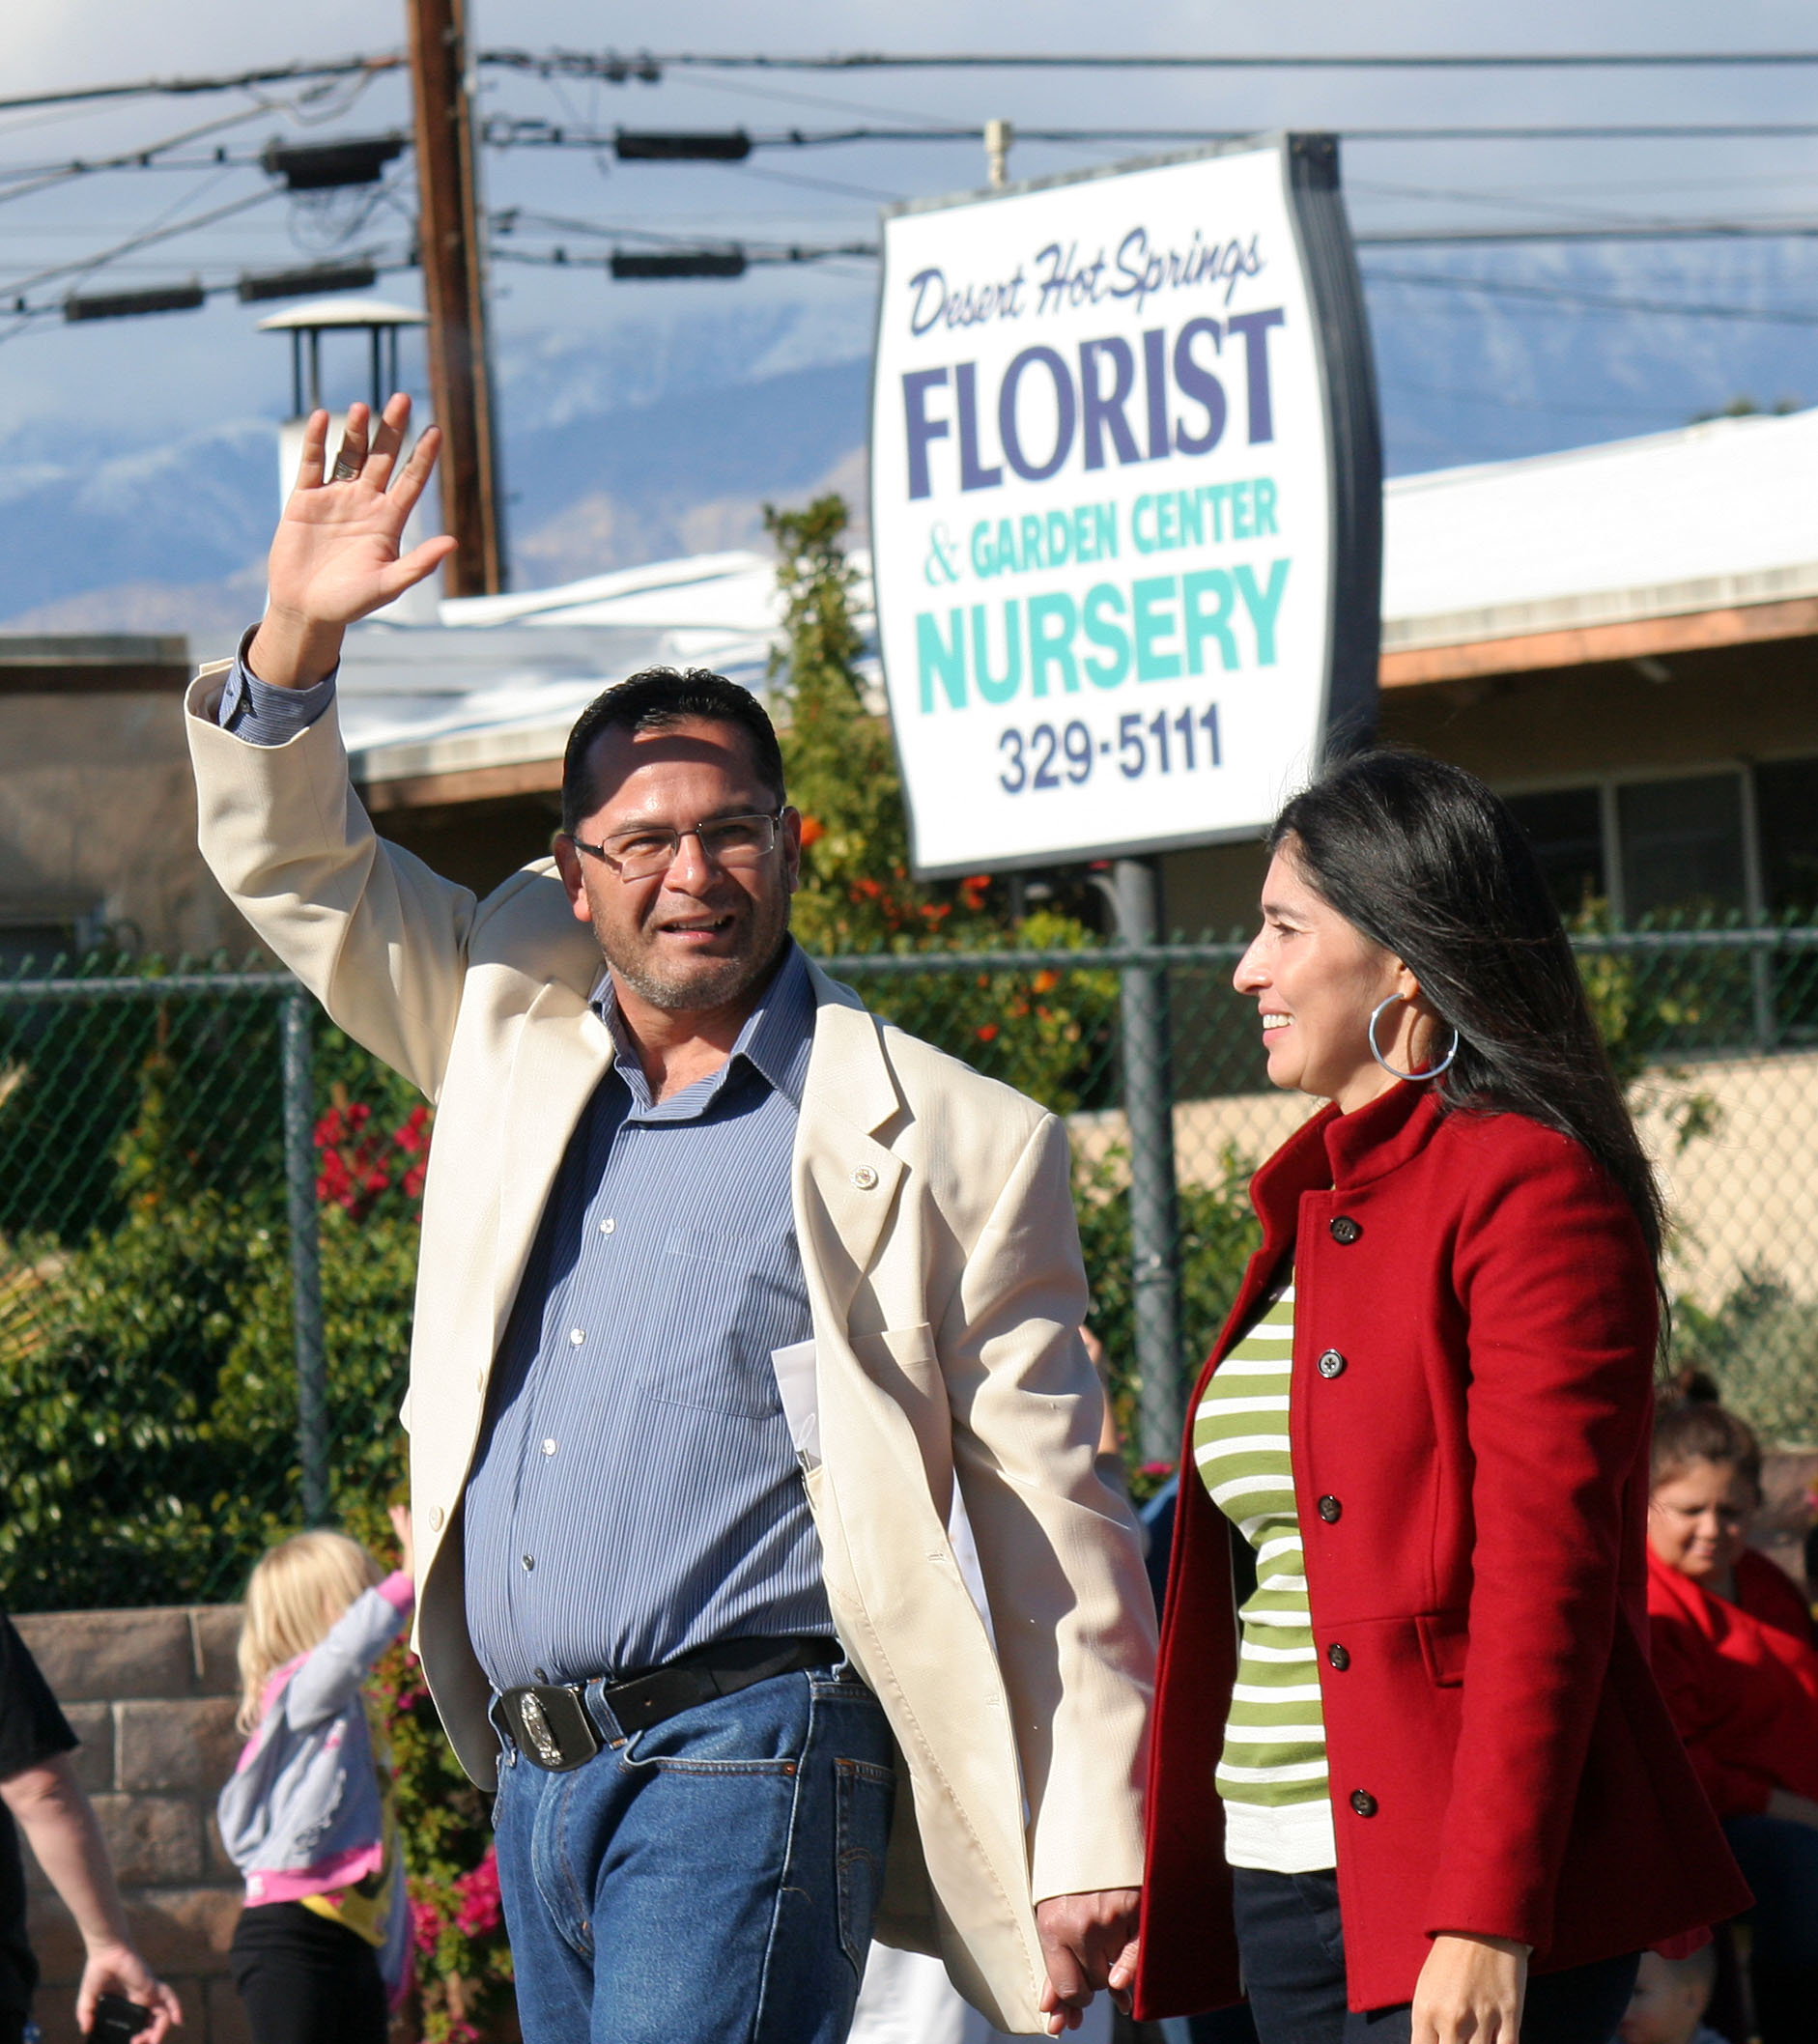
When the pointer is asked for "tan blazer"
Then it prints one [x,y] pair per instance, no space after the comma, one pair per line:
[941,1258]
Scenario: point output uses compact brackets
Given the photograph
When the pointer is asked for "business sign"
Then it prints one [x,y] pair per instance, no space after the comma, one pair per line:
[1125,503]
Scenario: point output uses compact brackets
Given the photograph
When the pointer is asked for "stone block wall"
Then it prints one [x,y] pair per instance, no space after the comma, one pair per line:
[152,1696]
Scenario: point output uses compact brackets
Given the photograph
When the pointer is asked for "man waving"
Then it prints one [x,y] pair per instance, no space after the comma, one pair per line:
[743,1322]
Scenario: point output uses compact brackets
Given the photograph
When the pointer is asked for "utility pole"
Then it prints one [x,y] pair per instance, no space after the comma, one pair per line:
[453,258]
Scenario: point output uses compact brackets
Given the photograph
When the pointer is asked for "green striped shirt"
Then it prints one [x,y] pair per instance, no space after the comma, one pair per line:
[1272,1775]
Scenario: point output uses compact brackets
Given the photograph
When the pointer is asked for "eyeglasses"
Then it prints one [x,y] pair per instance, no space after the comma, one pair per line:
[730,843]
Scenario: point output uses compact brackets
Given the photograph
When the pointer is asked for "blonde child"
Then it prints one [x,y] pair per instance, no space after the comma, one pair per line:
[321,1950]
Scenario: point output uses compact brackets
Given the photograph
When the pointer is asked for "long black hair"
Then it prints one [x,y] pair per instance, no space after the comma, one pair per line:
[1422,857]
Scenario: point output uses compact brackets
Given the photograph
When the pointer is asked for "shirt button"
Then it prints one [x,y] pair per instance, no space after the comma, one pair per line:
[549,1447]
[1331,1509]
[1331,1364]
[1338,1656]
[576,1336]
[608,1224]
[864,1177]
[1363,1803]
[530,1561]
[1343,1229]
[539,1674]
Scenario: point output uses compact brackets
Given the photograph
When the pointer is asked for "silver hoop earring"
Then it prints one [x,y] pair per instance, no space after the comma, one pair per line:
[1417,1078]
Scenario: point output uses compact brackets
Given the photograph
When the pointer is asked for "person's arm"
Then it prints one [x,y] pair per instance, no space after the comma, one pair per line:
[1554,1281]
[59,1822]
[1062,1563]
[380,939]
[333,1671]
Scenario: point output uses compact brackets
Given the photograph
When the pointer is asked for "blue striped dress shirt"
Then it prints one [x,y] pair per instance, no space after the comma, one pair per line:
[636,1493]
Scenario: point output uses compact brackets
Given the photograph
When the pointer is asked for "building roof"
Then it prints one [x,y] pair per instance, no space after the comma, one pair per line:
[1706,535]
[499,681]
[1591,543]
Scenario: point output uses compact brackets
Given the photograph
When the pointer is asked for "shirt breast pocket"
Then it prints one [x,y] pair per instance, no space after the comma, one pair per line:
[720,1309]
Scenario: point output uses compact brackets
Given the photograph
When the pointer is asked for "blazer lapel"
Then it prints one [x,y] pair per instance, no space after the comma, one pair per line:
[845,1180]
[563,1052]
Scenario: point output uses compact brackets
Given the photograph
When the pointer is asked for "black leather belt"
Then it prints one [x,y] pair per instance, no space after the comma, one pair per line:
[555,1727]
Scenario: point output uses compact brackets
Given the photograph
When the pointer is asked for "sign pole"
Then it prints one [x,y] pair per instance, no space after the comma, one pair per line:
[1149,1111]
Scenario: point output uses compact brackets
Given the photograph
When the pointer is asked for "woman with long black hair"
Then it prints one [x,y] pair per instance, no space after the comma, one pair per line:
[1425,1786]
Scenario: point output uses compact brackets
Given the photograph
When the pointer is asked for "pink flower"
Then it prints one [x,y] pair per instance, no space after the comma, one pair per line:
[480,1908]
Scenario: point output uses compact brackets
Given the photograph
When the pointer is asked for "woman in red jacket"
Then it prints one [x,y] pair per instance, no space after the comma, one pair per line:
[1429,1761]
[1734,1654]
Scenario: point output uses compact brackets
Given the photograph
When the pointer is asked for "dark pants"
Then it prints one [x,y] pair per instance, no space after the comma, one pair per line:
[1779,1861]
[1292,1948]
[305,1980]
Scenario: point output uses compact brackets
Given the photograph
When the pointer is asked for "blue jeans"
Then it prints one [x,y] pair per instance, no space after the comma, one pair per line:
[711,1880]
[1292,1946]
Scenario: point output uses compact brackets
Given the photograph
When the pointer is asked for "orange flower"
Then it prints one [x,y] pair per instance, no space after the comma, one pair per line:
[812,828]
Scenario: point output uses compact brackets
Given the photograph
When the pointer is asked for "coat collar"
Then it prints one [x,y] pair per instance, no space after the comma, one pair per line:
[1341,1151]
[845,1175]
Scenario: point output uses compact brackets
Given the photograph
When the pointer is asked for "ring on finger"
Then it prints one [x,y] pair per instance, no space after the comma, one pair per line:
[346,471]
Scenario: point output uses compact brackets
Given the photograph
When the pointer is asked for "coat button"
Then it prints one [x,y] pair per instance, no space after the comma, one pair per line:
[1338,1656]
[1331,1509]
[1331,1364]
[1343,1229]
[436,1518]
[864,1177]
[1363,1803]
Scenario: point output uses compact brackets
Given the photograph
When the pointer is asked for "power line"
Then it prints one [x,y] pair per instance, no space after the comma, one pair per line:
[1594,302]
[250,287]
[139,241]
[1651,231]
[527,132]
[677,259]
[617,69]
[235,81]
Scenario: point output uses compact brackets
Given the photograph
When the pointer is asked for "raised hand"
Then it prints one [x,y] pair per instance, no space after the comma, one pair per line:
[335,556]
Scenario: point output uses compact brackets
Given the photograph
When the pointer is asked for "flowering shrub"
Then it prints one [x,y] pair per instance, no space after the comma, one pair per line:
[463,1994]
[362,1166]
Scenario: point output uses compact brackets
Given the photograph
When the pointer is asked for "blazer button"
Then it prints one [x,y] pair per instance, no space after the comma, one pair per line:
[1363,1803]
[1343,1229]
[1331,1364]
[436,1518]
[1338,1656]
[864,1177]
[1331,1509]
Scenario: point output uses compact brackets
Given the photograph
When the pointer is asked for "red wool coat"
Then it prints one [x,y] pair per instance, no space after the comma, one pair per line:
[1473,1356]
[1743,1691]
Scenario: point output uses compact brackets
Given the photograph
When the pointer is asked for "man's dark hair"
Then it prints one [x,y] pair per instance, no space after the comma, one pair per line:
[1699,1432]
[655,699]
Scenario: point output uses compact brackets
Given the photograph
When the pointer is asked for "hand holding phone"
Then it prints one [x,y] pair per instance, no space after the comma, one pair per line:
[118,2020]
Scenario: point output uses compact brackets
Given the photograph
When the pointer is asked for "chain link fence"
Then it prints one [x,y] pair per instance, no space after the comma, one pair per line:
[209,1211]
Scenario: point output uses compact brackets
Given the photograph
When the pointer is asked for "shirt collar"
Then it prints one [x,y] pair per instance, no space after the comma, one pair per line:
[778,1036]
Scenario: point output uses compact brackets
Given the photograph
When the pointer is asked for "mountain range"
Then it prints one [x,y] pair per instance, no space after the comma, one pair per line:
[666,435]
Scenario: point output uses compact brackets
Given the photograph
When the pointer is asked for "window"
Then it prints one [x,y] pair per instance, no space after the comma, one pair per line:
[1786,805]
[42,944]
[1566,828]
[1682,847]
